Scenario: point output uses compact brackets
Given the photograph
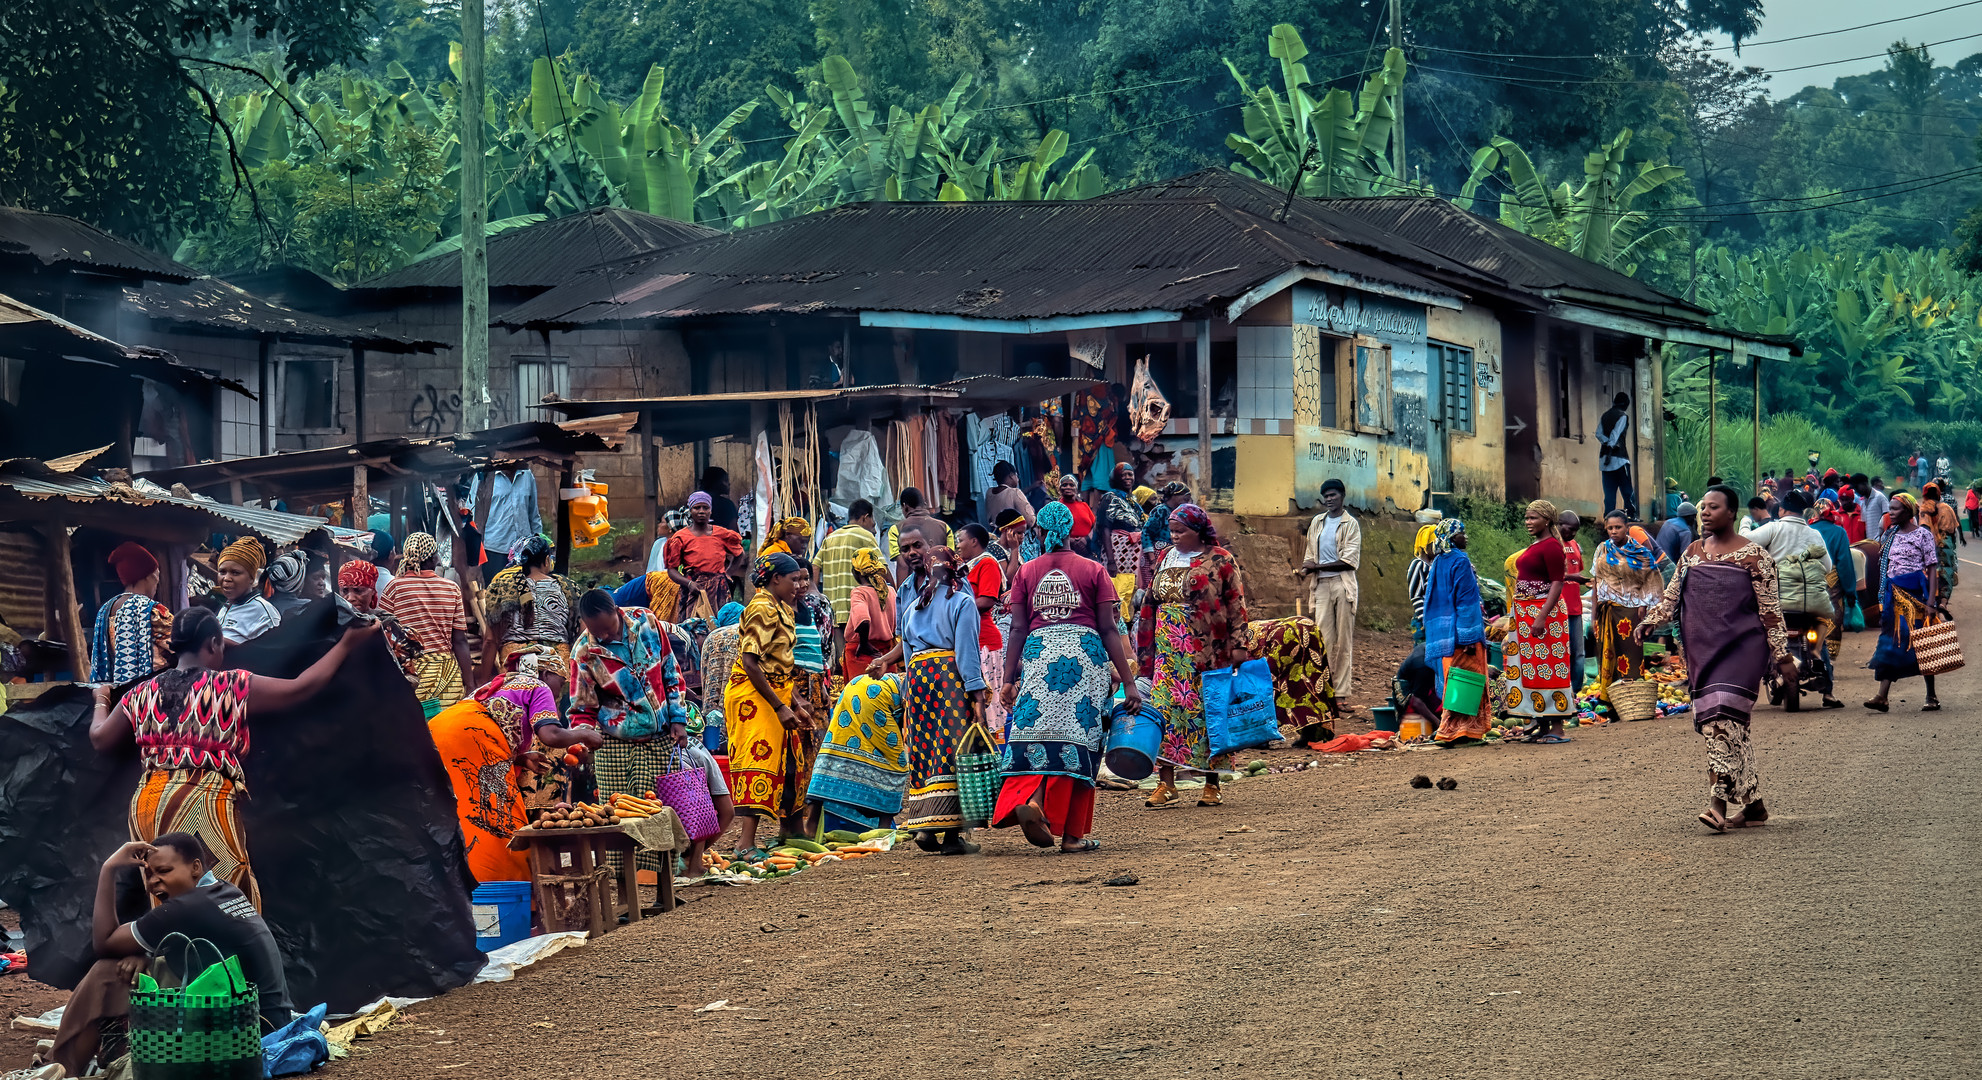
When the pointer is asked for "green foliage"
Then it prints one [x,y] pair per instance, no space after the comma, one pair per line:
[1786,443]
[1596,221]
[1325,144]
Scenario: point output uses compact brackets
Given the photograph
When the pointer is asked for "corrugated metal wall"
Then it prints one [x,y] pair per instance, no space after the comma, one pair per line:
[23,581]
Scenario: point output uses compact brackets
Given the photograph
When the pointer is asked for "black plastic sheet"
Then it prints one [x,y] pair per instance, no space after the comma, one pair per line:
[351,828]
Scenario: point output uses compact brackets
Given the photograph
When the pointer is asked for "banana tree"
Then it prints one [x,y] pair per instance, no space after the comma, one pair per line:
[1596,221]
[1329,143]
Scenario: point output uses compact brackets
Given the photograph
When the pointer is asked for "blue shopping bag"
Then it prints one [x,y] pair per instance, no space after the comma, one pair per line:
[1238,707]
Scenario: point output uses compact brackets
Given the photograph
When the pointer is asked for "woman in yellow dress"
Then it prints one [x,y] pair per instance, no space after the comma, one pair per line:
[766,725]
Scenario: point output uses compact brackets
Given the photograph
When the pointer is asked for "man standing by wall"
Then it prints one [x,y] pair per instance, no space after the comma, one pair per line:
[1614,455]
[1335,551]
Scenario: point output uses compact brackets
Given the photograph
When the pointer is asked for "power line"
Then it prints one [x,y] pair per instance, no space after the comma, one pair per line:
[1735,48]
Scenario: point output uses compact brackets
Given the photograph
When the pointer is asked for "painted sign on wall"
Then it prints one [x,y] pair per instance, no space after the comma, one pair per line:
[1322,453]
[1340,310]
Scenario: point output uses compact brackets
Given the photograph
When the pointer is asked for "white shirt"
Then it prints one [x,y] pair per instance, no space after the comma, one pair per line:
[1335,539]
[248,620]
[1789,536]
[1876,506]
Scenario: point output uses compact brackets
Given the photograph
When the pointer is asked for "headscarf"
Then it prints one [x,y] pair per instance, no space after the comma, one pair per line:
[1827,511]
[1636,553]
[1901,498]
[790,524]
[730,615]
[1196,520]
[358,574]
[870,568]
[1057,522]
[286,574]
[1144,495]
[529,549]
[1422,546]
[772,564]
[1174,487]
[1442,534]
[702,498]
[381,542]
[1548,513]
[1847,499]
[418,549]
[133,563]
[1930,492]
[1829,494]
[247,551]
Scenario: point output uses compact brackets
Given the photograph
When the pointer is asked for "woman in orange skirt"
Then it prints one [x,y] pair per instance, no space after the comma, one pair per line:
[1540,692]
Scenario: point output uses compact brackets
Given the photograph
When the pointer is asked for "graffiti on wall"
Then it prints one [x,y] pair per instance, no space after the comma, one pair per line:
[433,412]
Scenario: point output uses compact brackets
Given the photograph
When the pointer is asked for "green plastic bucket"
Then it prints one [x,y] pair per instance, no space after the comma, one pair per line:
[1463,691]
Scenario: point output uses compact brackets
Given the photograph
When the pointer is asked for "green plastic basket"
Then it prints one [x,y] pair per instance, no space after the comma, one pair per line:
[209,1031]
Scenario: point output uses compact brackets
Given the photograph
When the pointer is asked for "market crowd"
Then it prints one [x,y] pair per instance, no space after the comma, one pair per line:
[836,676]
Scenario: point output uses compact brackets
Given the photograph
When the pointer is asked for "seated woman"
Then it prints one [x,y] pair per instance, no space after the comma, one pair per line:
[189,901]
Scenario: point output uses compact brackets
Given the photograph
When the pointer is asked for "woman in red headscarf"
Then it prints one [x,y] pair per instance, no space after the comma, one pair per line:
[133,630]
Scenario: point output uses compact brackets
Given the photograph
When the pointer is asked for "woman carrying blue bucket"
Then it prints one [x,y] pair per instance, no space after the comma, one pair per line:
[1058,689]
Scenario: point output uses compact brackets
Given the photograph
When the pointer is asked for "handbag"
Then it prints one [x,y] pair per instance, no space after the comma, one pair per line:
[978,776]
[684,788]
[1238,707]
[1935,648]
[209,1030]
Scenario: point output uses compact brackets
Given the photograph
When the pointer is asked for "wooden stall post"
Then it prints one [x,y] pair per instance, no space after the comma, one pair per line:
[68,613]
[566,480]
[650,478]
[361,497]
[1755,478]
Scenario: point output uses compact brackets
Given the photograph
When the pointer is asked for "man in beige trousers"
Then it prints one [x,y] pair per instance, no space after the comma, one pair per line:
[1335,550]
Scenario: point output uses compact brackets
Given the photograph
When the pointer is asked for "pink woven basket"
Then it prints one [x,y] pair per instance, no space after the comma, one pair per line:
[685,790]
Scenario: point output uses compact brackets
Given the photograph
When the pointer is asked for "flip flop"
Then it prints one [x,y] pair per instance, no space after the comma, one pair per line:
[1932,706]
[1082,847]
[1032,823]
[1878,706]
[1551,739]
[1712,821]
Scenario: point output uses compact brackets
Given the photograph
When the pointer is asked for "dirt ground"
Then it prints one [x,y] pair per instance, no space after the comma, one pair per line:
[1560,914]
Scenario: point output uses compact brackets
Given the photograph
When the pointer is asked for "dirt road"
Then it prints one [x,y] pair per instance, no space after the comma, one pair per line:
[1559,915]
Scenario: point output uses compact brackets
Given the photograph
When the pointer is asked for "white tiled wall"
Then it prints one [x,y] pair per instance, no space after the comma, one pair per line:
[1266,372]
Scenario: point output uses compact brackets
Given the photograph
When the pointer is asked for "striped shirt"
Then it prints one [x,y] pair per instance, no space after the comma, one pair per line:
[428,606]
[836,578]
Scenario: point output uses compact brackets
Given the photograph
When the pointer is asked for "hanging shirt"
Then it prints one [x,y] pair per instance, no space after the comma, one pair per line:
[513,514]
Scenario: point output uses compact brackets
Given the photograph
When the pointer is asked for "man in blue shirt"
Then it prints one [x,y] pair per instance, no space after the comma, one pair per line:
[513,516]
[1677,532]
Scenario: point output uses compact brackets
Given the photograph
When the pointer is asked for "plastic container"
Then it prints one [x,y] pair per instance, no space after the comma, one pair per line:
[1413,727]
[1383,717]
[1133,741]
[502,913]
[1464,690]
[1496,655]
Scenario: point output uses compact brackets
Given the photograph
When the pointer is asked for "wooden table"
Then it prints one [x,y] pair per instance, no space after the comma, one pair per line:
[573,883]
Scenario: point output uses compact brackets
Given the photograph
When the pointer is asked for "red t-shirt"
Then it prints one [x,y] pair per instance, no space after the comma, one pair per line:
[987,579]
[1083,517]
[1572,563]
[1542,561]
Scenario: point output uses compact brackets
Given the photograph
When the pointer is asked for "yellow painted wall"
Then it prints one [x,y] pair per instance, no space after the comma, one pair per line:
[1264,483]
[1479,460]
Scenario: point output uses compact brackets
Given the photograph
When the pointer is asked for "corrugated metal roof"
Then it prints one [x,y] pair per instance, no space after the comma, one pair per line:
[1432,233]
[324,472]
[31,334]
[55,239]
[35,481]
[217,305]
[551,252]
[989,260]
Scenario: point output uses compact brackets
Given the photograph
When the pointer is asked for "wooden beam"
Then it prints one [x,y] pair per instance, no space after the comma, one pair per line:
[566,480]
[1204,411]
[650,478]
[361,497]
[68,614]
[1755,477]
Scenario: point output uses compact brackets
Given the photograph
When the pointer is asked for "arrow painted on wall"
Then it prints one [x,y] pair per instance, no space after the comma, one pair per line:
[1518,426]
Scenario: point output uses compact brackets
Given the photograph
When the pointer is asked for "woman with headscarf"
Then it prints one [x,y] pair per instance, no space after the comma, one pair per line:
[492,745]
[286,576]
[792,536]
[1851,513]
[1724,596]
[533,613]
[1540,692]
[1061,665]
[246,614]
[190,723]
[1940,517]
[1416,575]
[861,773]
[765,721]
[133,631]
[1190,622]
[1303,687]
[697,559]
[813,620]
[1117,538]
[1455,631]
[870,623]
[1909,595]
[937,618]
[1627,579]
[431,609]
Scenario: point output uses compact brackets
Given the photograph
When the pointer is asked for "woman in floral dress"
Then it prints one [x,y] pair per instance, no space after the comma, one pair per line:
[1190,624]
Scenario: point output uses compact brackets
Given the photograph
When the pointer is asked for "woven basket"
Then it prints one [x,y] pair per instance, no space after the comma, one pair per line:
[1633,699]
[979,776]
[1936,649]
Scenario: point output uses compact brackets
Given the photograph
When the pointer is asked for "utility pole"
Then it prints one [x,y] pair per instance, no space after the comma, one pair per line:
[1397,134]
[474,223]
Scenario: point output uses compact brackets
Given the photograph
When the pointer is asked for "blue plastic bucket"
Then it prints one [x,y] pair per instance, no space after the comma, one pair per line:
[1133,741]
[502,913]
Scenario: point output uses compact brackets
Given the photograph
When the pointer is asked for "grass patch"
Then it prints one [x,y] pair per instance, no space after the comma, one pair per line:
[1786,444]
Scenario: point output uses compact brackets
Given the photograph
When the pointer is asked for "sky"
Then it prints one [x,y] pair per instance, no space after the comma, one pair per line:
[1791,18]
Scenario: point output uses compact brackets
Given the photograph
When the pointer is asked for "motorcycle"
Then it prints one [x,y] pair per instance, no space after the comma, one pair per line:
[1806,647]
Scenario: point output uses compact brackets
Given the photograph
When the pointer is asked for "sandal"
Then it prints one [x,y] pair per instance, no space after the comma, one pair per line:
[1081,847]
[1550,739]
[1932,706]
[1877,706]
[1164,795]
[1210,796]
[1032,822]
[1713,821]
